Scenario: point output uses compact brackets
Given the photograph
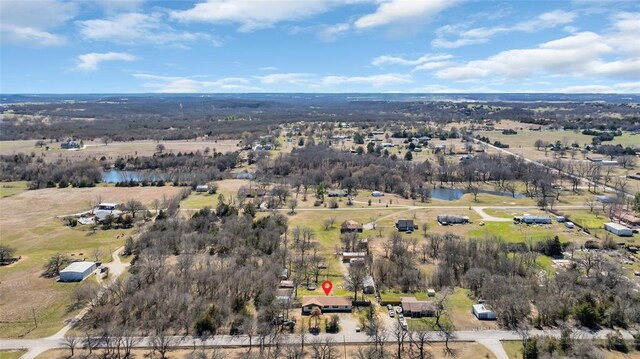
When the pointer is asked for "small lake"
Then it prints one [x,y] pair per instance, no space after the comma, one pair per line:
[115,176]
[453,194]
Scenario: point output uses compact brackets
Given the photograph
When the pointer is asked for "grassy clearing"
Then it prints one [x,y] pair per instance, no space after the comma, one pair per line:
[513,348]
[11,354]
[12,188]
[28,223]
[459,305]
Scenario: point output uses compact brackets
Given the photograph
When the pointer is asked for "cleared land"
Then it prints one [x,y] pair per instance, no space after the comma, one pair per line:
[28,223]
[97,149]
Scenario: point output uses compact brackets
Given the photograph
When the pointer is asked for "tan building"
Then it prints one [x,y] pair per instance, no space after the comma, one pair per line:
[326,304]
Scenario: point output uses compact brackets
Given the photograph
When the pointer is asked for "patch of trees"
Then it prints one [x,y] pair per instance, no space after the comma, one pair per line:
[509,131]
[593,291]
[6,254]
[198,275]
[398,267]
[40,174]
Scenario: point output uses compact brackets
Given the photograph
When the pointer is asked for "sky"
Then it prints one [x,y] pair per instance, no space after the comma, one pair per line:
[382,46]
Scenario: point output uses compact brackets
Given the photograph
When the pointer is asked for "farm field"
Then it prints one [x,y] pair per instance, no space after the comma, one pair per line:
[28,223]
[97,149]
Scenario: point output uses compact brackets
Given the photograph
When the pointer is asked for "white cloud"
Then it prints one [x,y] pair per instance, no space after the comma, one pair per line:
[332,32]
[176,84]
[32,21]
[289,78]
[132,28]
[30,35]
[90,62]
[395,11]
[577,55]
[252,14]
[480,35]
[373,80]
[624,87]
[396,60]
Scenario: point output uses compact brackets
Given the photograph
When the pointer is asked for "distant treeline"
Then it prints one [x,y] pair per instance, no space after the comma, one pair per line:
[182,169]
[175,118]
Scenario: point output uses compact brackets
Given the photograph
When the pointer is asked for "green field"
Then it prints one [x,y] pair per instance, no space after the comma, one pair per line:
[11,188]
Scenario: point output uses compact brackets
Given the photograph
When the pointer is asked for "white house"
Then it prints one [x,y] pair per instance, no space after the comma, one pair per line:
[483,312]
[77,271]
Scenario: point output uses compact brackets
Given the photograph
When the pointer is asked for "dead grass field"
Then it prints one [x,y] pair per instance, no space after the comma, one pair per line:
[97,149]
[28,223]
[464,350]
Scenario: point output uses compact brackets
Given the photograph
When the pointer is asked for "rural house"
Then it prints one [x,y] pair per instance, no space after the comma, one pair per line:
[337,193]
[350,227]
[404,225]
[349,256]
[368,285]
[446,219]
[413,308]
[326,304]
[69,145]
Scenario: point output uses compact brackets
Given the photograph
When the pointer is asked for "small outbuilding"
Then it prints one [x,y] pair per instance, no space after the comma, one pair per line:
[618,229]
[202,188]
[483,312]
[377,194]
[368,285]
[77,271]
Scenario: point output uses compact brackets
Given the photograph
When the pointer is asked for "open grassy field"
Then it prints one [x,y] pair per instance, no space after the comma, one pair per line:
[97,149]
[28,223]
[11,188]
[11,354]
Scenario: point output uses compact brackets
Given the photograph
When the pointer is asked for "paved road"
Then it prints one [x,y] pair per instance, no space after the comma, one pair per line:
[482,336]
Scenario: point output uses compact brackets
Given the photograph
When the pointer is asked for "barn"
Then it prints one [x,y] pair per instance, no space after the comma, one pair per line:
[77,271]
[618,229]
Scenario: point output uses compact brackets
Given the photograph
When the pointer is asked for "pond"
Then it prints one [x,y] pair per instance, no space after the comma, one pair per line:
[115,176]
[453,194]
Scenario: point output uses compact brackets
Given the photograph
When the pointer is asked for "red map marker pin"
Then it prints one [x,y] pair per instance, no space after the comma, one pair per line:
[327,286]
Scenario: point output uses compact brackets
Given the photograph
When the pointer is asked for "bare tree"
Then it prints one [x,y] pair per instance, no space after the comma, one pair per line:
[71,342]
[134,206]
[97,254]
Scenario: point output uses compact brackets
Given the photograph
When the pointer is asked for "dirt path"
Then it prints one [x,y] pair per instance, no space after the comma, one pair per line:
[116,268]
[489,218]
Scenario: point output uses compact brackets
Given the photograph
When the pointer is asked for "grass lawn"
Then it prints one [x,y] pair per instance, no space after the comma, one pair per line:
[459,305]
[513,348]
[11,354]
[11,188]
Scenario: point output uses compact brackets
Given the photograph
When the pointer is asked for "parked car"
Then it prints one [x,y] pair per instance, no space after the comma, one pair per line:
[389,307]
[311,287]
[398,309]
[392,313]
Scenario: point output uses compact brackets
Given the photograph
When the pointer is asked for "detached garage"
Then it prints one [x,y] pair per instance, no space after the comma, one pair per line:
[618,229]
[77,271]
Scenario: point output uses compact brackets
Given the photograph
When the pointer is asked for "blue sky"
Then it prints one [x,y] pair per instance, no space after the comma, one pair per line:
[131,46]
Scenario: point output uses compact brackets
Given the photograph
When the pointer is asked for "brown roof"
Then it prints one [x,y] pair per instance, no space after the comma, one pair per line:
[351,224]
[411,304]
[324,301]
